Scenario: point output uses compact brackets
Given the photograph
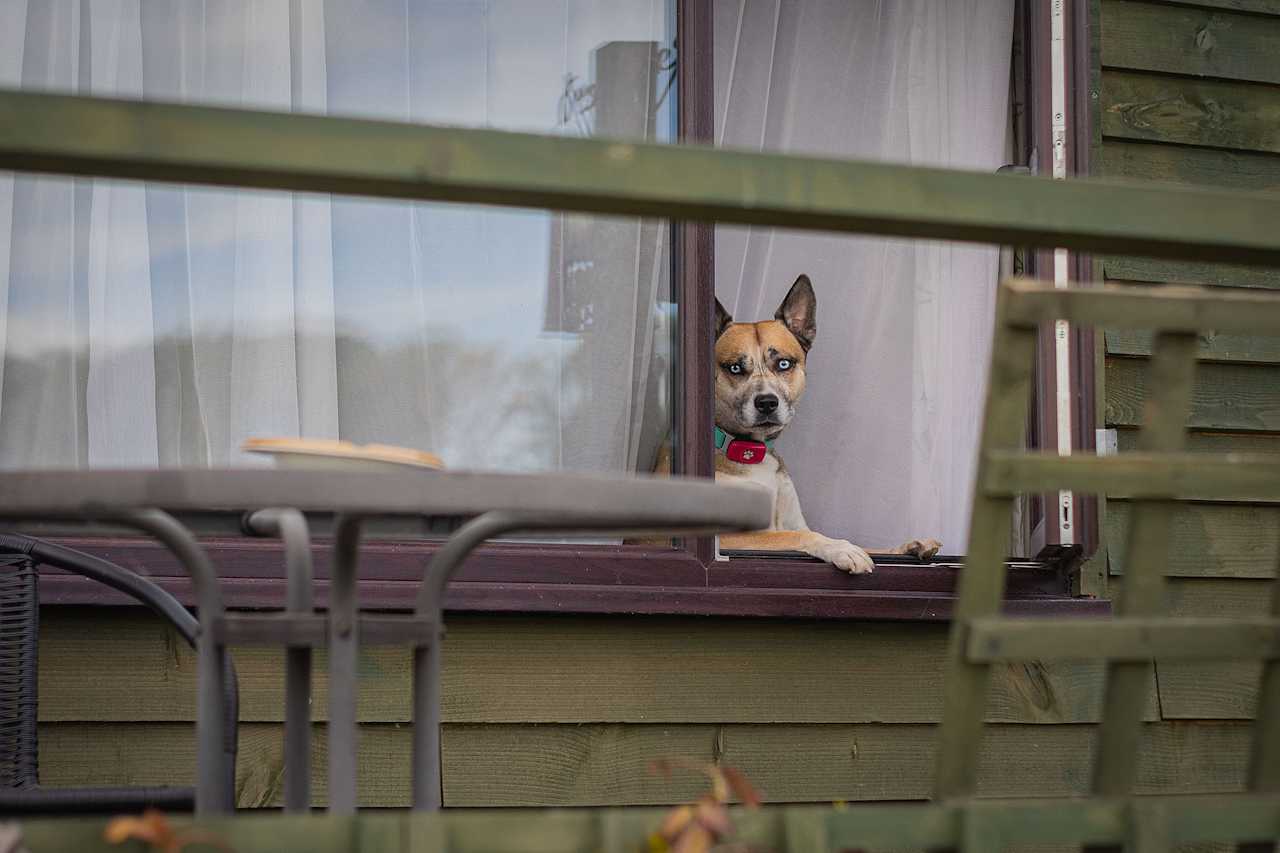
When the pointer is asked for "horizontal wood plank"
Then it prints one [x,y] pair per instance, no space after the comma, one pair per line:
[1213,442]
[1260,7]
[1187,111]
[1209,540]
[1124,639]
[167,142]
[1235,397]
[1188,40]
[1178,164]
[1245,349]
[1153,271]
[510,765]
[1135,160]
[1213,691]
[570,670]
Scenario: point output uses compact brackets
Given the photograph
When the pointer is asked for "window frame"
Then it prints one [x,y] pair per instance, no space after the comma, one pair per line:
[684,579]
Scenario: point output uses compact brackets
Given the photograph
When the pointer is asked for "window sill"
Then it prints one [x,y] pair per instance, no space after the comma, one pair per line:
[601,579]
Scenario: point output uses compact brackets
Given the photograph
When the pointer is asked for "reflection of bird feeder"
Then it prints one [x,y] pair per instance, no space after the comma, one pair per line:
[597,264]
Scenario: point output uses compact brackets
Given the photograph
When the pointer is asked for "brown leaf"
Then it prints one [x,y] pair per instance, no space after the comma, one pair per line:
[742,789]
[152,828]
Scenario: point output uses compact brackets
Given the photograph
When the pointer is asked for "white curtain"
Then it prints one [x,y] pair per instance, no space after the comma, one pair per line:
[153,325]
[884,446]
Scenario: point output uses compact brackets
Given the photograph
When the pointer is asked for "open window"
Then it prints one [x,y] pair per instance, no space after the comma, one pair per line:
[151,325]
[884,449]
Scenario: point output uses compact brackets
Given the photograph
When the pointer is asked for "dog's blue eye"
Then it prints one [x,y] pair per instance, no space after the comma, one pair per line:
[784,364]
[735,369]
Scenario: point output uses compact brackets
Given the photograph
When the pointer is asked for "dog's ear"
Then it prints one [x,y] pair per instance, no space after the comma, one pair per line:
[722,320]
[799,312]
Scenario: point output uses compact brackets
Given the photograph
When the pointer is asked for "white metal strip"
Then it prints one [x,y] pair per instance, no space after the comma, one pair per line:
[1061,336]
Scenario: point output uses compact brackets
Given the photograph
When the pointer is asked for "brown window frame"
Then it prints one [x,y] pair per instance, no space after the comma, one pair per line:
[684,579]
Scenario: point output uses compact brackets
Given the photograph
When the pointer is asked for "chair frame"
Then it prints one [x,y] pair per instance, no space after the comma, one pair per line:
[21,608]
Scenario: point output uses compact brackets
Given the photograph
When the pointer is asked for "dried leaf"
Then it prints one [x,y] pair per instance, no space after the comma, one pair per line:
[741,788]
[152,828]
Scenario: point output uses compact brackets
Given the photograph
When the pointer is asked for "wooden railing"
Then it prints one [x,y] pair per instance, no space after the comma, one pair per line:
[79,136]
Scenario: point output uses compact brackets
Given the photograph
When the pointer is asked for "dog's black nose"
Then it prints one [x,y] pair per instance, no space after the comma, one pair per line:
[766,404]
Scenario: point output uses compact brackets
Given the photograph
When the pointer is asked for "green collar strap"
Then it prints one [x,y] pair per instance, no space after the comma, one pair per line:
[740,449]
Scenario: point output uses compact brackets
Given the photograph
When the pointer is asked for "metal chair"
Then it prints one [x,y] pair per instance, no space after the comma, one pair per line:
[1153,478]
[20,791]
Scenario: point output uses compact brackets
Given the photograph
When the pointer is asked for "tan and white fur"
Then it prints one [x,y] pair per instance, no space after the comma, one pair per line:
[759,379]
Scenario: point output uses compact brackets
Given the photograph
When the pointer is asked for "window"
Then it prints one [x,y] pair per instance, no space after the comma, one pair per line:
[152,325]
[895,376]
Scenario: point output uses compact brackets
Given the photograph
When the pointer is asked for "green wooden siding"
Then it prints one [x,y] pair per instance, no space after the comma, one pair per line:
[1189,95]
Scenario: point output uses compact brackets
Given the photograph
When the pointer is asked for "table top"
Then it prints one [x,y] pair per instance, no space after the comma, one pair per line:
[568,502]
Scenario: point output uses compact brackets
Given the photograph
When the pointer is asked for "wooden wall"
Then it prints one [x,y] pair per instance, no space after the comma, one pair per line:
[570,710]
[1190,94]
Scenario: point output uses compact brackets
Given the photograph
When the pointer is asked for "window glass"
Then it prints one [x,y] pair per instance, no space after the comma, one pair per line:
[884,446]
[155,325]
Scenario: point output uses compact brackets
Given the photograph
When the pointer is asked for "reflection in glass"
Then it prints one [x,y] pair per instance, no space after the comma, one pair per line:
[152,325]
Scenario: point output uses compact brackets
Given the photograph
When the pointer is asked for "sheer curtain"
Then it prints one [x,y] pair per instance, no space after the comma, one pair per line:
[884,446]
[154,325]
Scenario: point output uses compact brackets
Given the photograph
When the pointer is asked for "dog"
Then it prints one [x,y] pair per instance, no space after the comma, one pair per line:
[759,379]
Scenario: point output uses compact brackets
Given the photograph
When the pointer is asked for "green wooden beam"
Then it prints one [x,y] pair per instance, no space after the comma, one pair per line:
[205,145]
[1252,477]
[1173,308]
[1184,819]
[1131,639]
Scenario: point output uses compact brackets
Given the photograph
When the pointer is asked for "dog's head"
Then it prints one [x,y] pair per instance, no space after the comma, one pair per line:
[760,366]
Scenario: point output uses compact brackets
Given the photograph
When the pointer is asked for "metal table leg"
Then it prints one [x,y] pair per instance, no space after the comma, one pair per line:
[343,659]
[426,659]
[215,762]
[291,526]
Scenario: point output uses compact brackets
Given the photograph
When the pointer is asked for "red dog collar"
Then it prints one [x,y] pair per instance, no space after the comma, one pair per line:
[745,451]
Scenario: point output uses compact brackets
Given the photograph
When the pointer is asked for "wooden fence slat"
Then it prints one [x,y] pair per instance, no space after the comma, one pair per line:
[1175,308]
[1182,476]
[981,584]
[1173,373]
[167,142]
[1182,820]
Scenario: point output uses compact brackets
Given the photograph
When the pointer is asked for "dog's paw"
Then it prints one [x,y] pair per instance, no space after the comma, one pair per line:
[922,548]
[845,556]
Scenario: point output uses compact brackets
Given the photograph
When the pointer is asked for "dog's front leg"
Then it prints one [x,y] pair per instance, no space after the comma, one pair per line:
[839,553]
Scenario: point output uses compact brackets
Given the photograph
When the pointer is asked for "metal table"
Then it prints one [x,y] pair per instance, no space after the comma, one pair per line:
[278,503]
